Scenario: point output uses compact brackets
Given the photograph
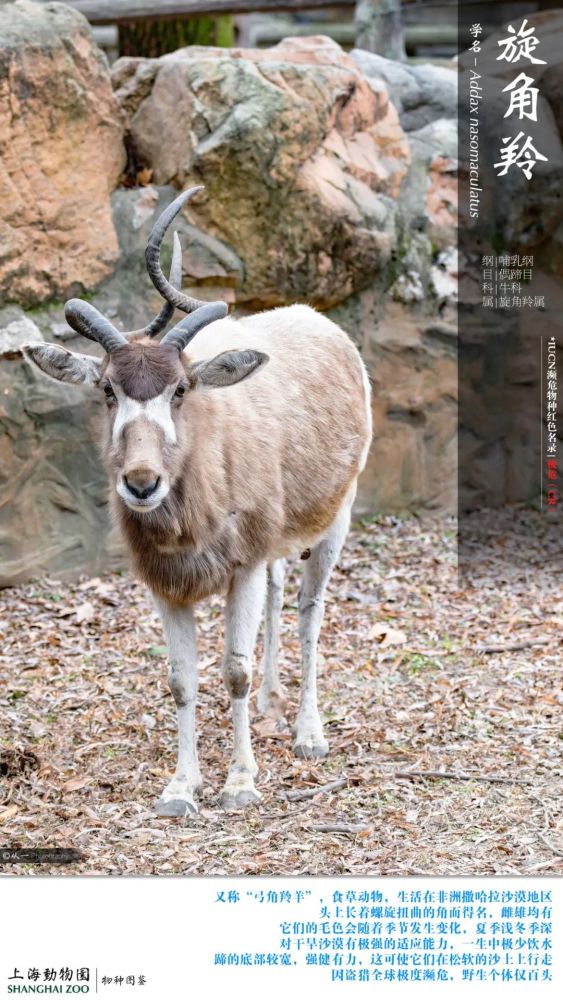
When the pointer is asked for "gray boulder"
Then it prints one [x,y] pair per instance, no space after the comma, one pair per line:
[421,94]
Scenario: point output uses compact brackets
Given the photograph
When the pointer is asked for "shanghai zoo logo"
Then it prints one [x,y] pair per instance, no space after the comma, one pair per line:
[67,980]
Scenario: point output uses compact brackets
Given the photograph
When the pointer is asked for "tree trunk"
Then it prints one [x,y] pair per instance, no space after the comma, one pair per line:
[379,28]
[153,38]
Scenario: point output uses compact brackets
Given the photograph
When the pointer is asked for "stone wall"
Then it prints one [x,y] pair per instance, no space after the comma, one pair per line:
[329,178]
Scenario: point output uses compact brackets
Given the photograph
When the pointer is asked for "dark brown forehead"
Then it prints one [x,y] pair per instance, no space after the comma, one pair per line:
[143,370]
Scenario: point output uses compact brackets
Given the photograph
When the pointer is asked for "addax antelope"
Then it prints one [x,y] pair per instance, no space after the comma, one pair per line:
[224,458]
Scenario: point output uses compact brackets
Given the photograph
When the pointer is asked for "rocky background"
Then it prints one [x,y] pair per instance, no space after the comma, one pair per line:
[329,178]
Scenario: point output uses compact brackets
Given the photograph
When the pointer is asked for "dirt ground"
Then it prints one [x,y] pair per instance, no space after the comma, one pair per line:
[421,671]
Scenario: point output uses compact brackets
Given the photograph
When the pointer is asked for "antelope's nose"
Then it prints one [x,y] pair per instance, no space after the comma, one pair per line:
[141,483]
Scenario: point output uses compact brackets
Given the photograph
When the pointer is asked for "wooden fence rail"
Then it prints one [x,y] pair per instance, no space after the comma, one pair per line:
[127,11]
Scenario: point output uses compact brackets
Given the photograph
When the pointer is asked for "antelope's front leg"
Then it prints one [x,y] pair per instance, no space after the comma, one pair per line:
[177,798]
[245,600]
[271,698]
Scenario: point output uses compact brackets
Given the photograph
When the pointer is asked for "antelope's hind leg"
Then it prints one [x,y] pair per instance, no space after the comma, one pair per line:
[177,798]
[243,611]
[271,698]
[309,740]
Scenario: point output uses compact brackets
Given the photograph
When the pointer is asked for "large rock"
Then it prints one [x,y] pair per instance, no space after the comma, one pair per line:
[18,331]
[61,154]
[413,461]
[421,93]
[53,515]
[425,97]
[429,195]
[412,362]
[301,158]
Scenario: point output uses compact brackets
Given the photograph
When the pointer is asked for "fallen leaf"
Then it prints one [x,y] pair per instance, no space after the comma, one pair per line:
[267,729]
[73,784]
[386,635]
[85,612]
[8,813]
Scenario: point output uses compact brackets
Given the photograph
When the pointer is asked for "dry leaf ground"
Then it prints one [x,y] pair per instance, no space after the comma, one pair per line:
[87,735]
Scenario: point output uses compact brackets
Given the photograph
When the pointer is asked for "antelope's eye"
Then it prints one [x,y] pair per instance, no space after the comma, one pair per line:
[180,391]
[108,392]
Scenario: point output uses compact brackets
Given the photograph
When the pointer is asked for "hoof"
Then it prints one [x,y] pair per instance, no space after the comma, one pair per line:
[229,801]
[309,751]
[175,807]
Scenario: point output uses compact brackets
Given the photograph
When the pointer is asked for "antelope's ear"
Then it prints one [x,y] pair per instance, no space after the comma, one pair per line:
[63,365]
[227,368]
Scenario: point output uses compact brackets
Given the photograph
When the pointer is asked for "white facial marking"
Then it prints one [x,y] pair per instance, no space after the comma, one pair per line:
[156,409]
